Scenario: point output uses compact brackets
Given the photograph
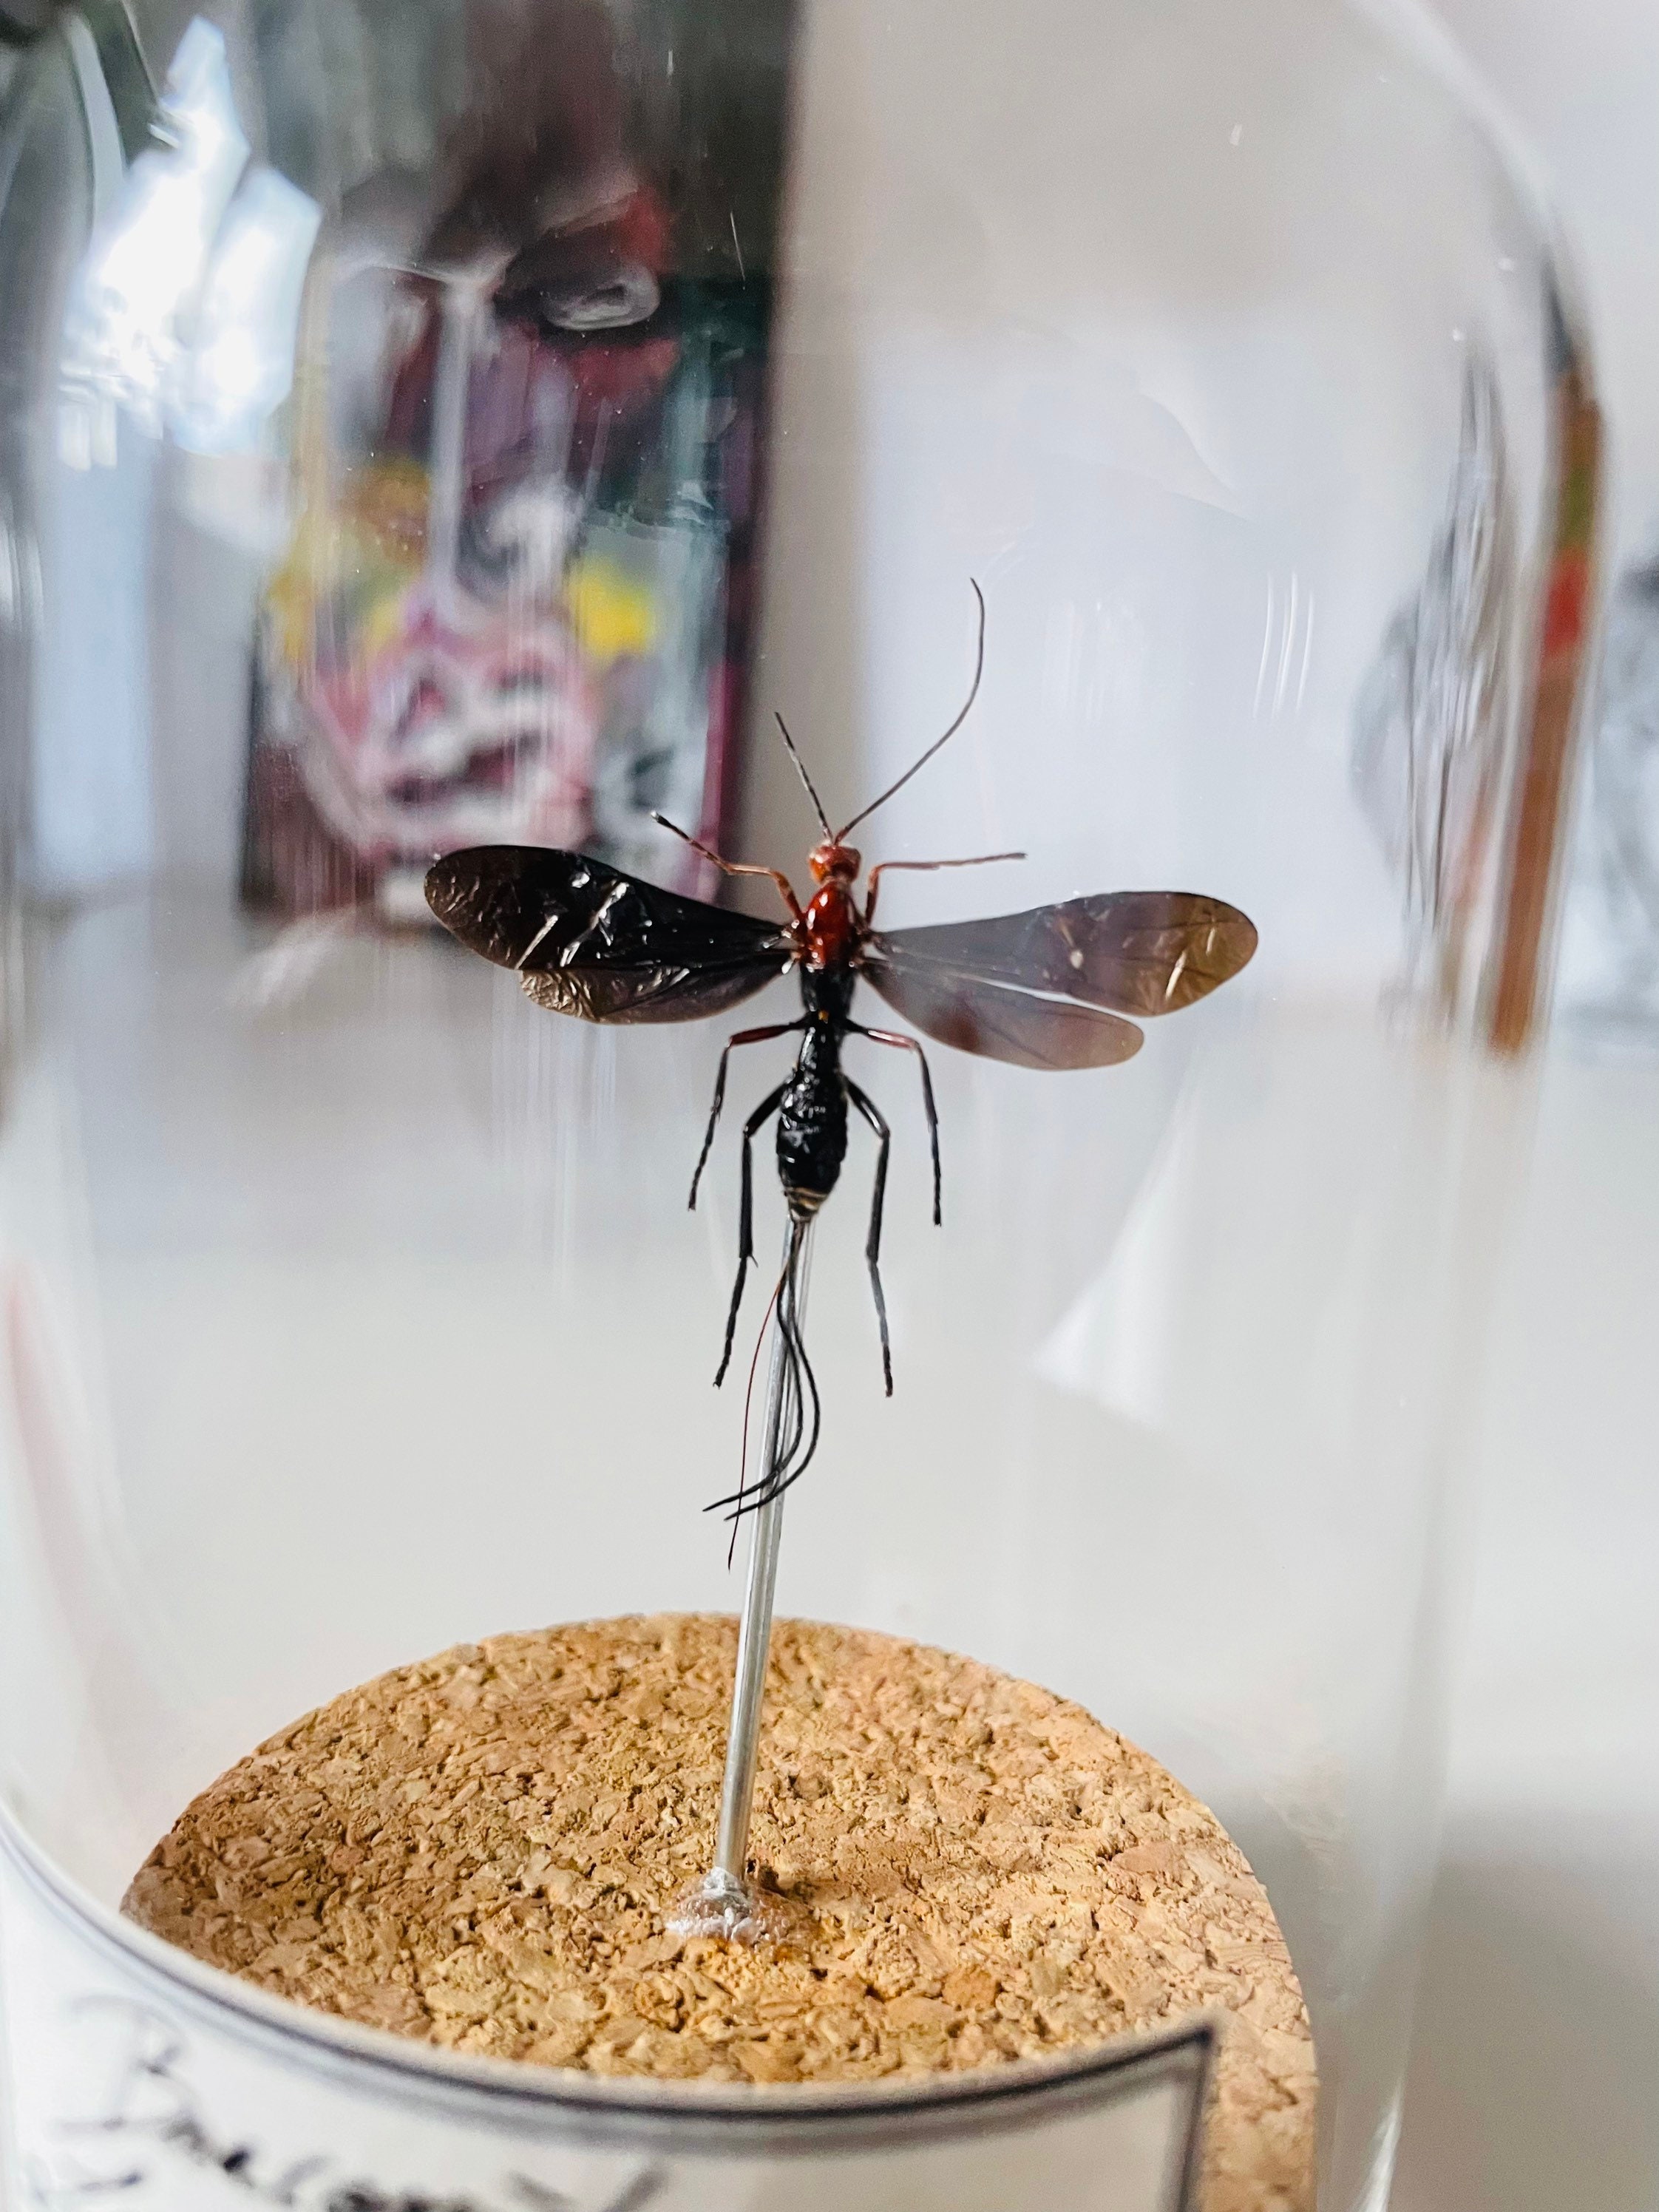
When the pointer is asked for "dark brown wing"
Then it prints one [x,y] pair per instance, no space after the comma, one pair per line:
[587,940]
[1038,988]
[1136,952]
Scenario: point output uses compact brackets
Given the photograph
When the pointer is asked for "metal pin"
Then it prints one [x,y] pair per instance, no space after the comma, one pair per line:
[724,1904]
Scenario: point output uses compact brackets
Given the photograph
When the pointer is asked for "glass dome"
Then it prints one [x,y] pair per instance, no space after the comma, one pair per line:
[459,423]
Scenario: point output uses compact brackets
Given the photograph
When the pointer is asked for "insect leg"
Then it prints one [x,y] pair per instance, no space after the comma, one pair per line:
[743,1036]
[922,867]
[763,1112]
[903,1043]
[786,890]
[872,1247]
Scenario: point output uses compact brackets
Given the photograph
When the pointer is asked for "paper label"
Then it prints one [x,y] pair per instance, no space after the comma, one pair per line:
[165,2089]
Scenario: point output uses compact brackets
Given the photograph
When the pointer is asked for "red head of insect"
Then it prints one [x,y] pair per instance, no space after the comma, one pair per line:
[833,862]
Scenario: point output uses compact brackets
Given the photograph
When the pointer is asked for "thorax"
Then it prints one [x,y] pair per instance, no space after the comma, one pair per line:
[830,930]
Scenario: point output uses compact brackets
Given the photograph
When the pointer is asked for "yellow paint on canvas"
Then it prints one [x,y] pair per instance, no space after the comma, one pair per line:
[611,615]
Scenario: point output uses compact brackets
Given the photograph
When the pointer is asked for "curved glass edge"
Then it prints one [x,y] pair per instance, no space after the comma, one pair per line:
[672,2116]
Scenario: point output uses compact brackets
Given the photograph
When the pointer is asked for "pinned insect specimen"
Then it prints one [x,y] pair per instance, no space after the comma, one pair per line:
[1049,988]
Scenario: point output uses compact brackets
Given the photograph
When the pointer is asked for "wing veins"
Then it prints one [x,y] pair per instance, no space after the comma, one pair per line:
[587,939]
[1140,953]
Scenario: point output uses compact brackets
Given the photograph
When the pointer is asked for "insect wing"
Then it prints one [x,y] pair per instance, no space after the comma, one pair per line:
[1133,952]
[988,1019]
[587,939]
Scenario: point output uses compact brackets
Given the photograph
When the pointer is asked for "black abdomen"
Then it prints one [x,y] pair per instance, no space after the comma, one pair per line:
[812,1128]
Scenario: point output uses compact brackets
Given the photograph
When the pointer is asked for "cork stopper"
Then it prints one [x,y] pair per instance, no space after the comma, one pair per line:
[485,1850]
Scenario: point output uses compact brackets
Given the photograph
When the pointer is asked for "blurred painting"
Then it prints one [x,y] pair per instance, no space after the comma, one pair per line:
[517,601]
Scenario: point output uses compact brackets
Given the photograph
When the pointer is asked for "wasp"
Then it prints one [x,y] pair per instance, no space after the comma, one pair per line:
[1049,988]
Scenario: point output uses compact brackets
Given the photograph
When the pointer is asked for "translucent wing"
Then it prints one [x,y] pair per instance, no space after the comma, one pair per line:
[1135,953]
[587,940]
[1042,989]
[1002,1025]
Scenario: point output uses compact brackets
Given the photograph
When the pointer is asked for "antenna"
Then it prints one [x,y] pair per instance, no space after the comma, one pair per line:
[973,693]
[800,771]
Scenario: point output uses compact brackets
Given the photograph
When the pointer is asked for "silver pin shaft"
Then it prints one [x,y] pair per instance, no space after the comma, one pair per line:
[725,1902]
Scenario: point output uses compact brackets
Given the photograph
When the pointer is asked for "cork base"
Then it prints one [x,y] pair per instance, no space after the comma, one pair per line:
[483,1850]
